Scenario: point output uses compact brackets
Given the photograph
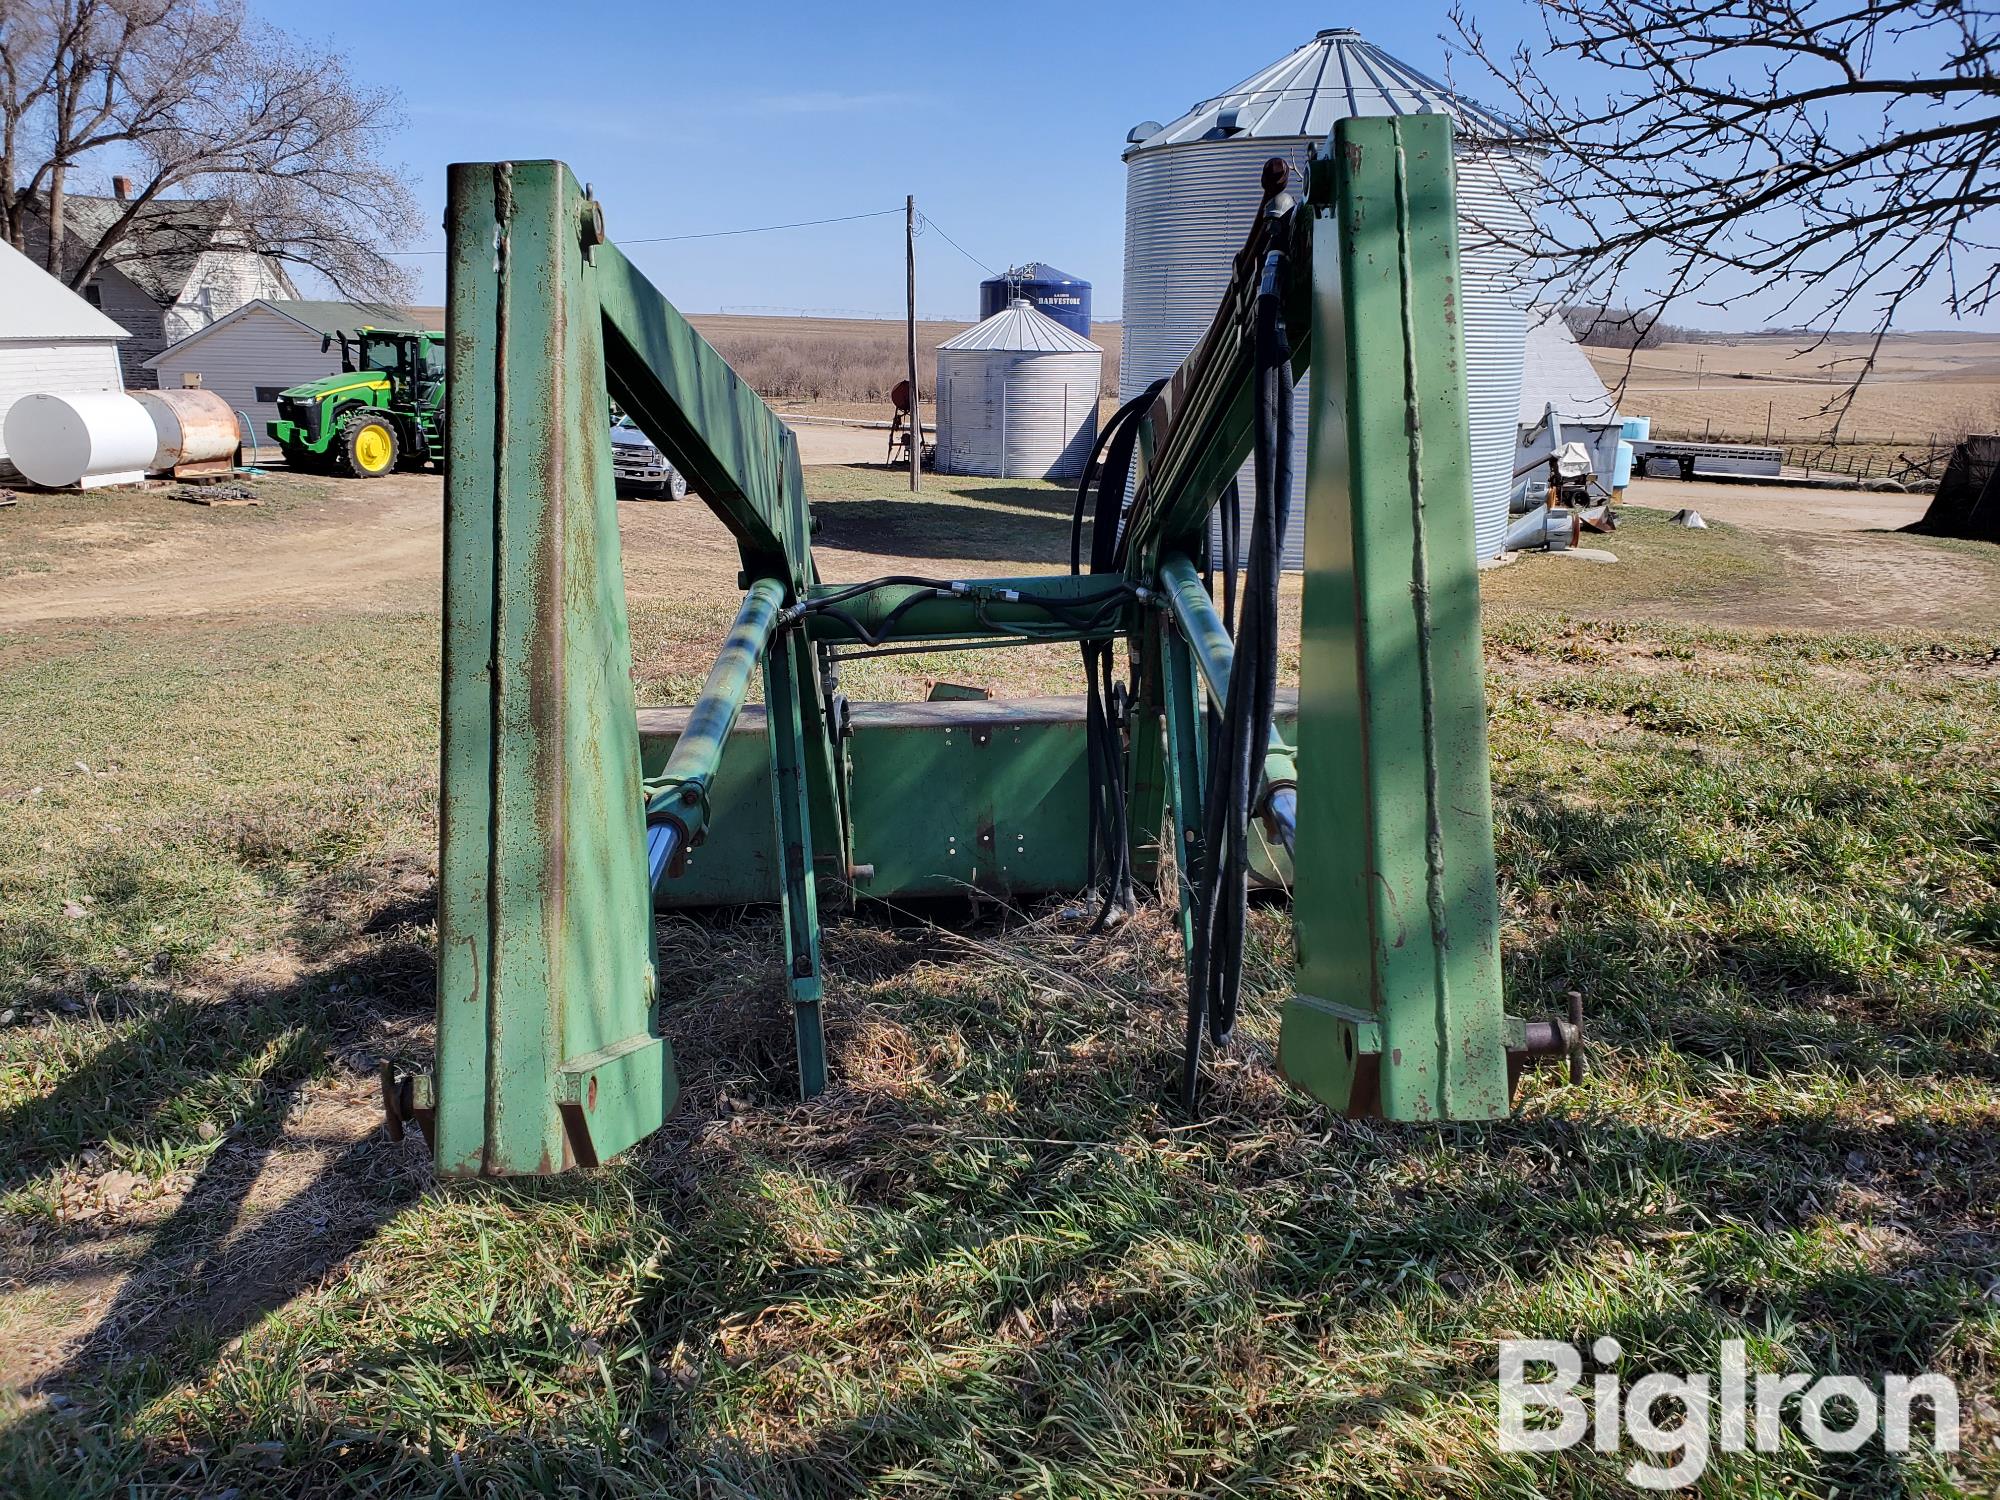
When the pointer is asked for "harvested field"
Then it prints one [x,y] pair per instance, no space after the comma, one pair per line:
[845,366]
[1927,388]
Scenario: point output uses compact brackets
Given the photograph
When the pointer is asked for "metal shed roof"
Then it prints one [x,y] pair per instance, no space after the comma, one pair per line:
[317,316]
[35,306]
[1332,77]
[1021,326]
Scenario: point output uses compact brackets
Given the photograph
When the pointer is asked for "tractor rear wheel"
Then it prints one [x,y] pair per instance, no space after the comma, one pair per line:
[369,446]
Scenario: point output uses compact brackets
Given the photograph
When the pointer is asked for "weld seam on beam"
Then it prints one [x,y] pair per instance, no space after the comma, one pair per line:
[1420,594]
[503,216]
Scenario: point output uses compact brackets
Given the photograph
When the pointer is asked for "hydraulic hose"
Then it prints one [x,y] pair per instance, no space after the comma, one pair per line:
[1107,825]
[1221,877]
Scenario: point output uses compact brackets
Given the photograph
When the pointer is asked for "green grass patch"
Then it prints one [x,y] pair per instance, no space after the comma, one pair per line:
[995,1259]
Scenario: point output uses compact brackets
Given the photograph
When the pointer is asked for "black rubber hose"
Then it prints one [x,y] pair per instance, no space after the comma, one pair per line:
[1221,877]
[854,590]
[862,633]
[1107,823]
[1119,433]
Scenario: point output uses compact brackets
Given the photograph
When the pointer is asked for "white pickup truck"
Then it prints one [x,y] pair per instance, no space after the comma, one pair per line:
[639,466]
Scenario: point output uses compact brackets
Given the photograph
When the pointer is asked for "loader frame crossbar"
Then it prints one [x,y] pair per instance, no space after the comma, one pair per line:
[561,829]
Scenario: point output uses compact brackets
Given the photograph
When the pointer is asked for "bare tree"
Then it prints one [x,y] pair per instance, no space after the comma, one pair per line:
[1621,328]
[1836,159]
[196,102]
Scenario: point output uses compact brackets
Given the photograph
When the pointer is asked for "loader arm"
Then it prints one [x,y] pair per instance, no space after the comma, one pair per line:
[561,825]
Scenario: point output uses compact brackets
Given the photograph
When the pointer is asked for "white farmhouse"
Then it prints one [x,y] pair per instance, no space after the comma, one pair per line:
[248,356]
[179,264]
[50,339]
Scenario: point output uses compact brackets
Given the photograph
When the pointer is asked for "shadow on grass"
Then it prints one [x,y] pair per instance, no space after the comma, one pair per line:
[1011,525]
[1033,1257]
[1023,1243]
[1757,961]
[268,1212]
[1051,1344]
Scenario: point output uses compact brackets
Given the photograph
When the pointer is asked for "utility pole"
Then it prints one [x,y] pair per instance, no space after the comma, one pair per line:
[910,323]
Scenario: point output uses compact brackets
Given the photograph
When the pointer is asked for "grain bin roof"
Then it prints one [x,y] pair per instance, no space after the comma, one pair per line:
[1334,76]
[1556,372]
[1020,326]
[34,305]
[1036,270]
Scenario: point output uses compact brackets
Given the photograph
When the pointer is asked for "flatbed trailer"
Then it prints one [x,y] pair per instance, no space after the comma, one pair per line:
[1732,459]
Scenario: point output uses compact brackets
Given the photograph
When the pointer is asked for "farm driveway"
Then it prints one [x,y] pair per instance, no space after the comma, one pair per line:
[372,546]
[1842,560]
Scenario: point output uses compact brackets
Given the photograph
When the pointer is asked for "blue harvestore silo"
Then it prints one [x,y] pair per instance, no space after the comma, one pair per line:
[1055,294]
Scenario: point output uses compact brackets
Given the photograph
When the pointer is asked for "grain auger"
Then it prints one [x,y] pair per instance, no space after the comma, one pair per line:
[568,815]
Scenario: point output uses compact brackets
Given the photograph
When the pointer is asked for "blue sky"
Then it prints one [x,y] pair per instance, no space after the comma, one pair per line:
[1005,121]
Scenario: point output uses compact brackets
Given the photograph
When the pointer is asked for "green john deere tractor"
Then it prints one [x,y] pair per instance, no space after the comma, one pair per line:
[385,408]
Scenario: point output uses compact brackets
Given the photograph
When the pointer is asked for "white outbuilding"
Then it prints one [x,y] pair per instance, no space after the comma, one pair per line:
[1017,397]
[251,354]
[50,340]
[1559,384]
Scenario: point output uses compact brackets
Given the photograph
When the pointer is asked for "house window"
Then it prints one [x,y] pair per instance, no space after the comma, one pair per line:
[94,294]
[268,393]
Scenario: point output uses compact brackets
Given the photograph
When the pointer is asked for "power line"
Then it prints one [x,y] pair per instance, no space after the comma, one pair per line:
[717,234]
[930,223]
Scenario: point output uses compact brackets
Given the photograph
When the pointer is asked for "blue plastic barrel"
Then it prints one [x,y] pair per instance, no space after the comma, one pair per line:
[1621,466]
[1638,429]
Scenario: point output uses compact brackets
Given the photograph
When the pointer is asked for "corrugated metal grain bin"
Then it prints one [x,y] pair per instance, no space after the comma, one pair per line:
[1193,186]
[1017,398]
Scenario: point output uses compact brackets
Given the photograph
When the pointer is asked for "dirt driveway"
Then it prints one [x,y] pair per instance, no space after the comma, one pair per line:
[1842,558]
[355,546]
[839,443]
[352,545]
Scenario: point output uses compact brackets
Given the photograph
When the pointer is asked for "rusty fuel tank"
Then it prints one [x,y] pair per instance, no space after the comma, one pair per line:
[197,430]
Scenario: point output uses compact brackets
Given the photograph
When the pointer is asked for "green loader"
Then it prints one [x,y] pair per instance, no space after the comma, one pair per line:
[385,408]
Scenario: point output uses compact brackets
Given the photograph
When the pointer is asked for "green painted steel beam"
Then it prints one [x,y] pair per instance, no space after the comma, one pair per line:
[788,682]
[1398,1009]
[548,1052]
[737,455]
[1146,772]
[1186,774]
[1214,655]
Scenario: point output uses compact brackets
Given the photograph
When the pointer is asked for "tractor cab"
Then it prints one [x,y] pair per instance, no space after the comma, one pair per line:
[414,362]
[384,410]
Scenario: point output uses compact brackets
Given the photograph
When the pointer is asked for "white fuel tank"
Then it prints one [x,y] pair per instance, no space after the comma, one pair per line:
[85,440]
